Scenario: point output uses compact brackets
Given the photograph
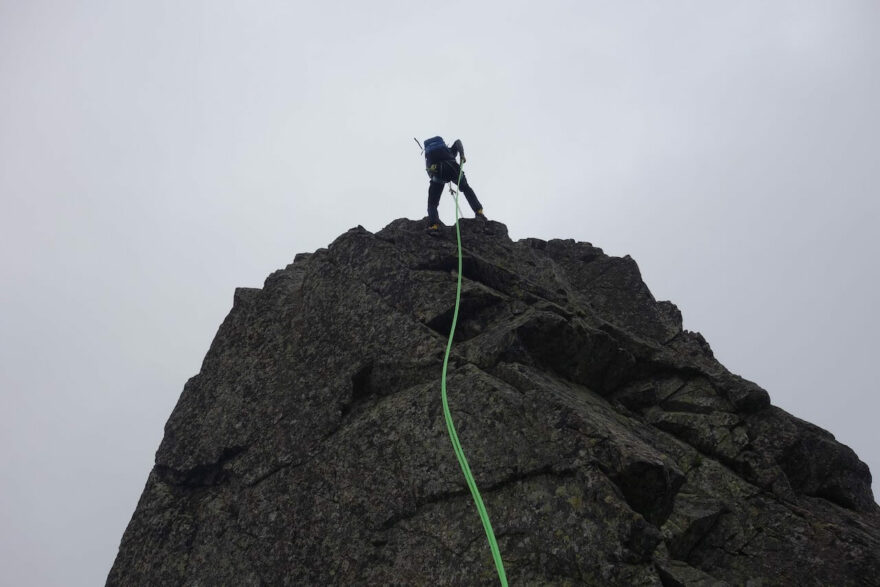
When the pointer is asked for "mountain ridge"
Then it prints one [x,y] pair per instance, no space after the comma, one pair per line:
[610,445]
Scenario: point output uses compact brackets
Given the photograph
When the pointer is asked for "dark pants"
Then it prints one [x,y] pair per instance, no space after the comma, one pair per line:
[448,171]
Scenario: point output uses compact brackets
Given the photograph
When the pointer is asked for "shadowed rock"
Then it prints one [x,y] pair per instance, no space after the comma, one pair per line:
[610,446]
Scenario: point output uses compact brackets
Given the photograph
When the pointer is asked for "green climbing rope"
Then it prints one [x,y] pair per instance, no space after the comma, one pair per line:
[450,427]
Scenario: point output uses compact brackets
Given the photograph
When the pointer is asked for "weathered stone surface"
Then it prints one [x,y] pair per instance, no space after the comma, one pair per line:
[611,448]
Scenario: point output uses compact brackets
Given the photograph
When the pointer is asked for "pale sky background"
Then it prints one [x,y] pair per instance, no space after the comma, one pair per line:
[154,155]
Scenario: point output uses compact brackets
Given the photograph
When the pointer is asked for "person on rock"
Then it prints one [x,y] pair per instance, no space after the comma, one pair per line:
[442,168]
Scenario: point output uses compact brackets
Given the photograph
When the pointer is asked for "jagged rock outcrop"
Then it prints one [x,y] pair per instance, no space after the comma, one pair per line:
[611,448]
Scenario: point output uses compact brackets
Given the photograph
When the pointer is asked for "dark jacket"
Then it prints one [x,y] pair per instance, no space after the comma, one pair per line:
[457,149]
[447,169]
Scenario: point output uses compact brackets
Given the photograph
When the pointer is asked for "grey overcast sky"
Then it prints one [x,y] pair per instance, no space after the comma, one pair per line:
[154,155]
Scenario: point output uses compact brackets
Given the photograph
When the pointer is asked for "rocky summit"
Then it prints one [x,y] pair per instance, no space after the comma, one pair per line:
[609,445]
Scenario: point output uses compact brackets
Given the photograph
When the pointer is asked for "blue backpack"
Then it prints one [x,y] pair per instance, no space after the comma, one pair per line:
[436,151]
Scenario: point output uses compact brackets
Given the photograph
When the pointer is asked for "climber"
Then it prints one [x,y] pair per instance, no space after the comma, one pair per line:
[442,168]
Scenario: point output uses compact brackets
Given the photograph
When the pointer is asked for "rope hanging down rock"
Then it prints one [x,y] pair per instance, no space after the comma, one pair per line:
[450,427]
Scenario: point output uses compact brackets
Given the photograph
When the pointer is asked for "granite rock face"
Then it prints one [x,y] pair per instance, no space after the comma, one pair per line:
[611,448]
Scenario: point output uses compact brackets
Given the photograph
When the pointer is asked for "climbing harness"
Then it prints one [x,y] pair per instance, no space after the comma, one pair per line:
[450,427]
